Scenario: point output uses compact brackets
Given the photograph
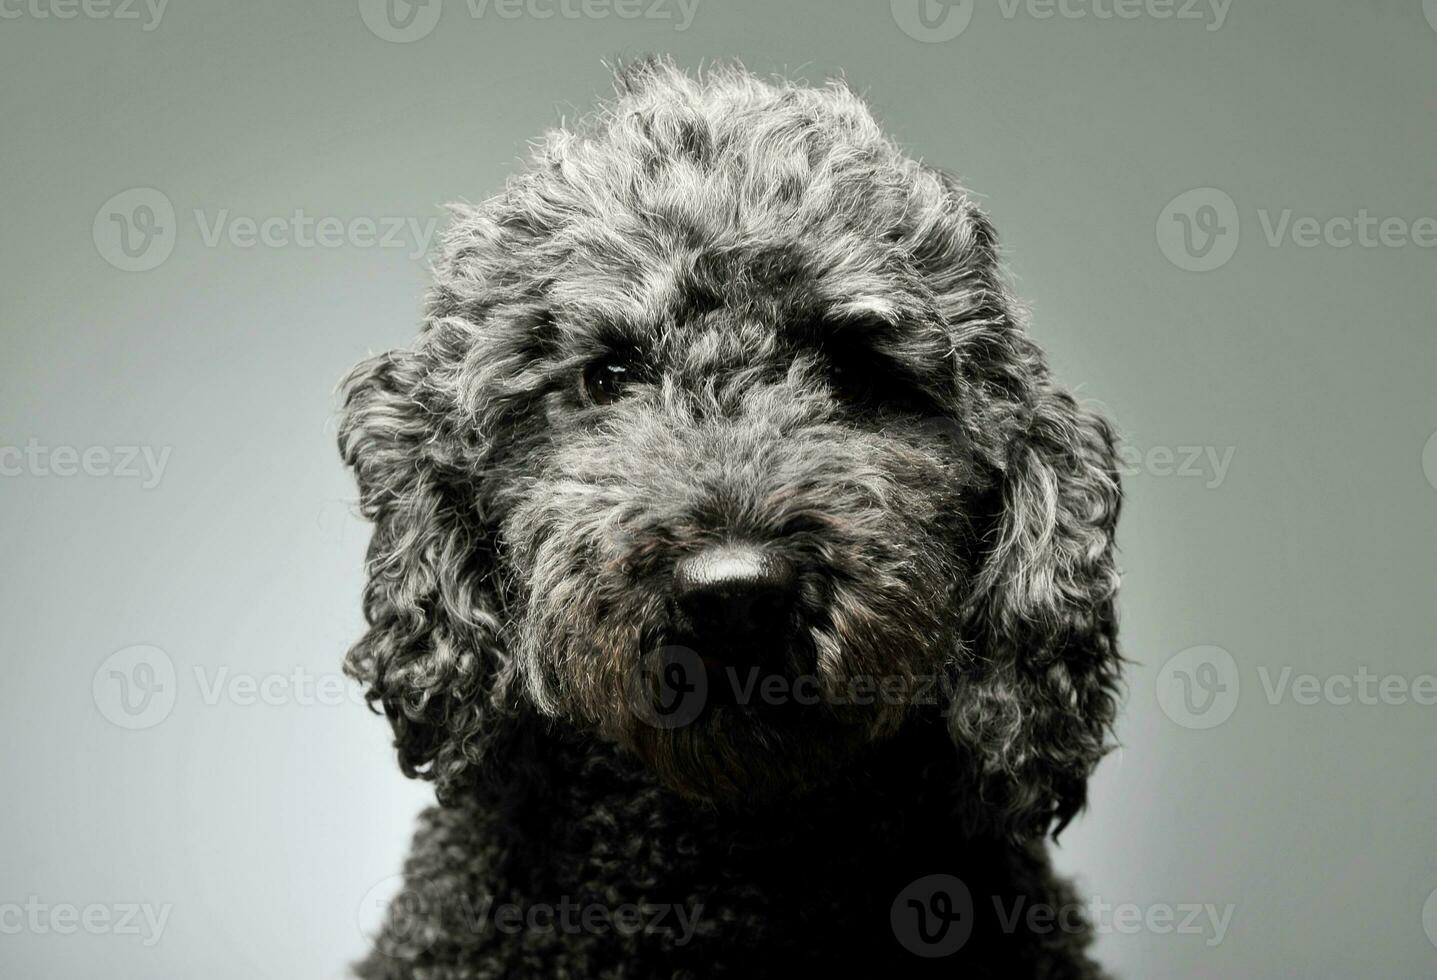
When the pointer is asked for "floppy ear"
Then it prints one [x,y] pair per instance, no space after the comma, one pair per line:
[1038,712]
[1034,702]
[431,652]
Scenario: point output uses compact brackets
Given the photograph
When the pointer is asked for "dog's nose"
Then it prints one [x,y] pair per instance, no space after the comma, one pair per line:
[735,591]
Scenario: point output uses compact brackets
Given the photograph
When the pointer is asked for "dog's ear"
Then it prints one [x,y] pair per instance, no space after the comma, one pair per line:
[1037,713]
[1034,700]
[431,652]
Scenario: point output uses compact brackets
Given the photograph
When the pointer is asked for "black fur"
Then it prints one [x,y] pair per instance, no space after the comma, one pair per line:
[825,362]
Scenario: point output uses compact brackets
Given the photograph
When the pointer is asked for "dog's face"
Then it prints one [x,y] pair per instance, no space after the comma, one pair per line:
[735,501]
[723,443]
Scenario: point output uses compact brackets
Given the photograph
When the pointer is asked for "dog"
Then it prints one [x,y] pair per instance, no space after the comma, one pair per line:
[740,575]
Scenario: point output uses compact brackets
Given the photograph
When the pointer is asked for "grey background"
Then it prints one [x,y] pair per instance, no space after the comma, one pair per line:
[264,826]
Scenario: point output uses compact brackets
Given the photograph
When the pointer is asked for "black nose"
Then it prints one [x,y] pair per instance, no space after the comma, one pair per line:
[735,592]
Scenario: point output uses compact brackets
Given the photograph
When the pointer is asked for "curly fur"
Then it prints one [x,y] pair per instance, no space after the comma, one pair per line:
[832,366]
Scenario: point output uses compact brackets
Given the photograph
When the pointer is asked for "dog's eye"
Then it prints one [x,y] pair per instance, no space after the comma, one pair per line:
[606,380]
[864,380]
[852,381]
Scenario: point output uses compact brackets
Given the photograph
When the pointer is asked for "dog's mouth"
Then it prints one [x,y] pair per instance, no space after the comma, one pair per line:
[744,656]
[726,673]
[742,713]
[749,642]
[737,669]
[778,683]
[743,665]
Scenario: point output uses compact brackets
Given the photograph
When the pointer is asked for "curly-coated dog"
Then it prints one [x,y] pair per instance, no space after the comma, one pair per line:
[740,576]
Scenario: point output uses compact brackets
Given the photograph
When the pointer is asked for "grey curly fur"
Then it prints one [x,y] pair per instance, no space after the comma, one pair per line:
[833,366]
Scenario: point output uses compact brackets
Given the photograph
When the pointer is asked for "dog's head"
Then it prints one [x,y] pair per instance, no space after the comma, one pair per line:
[723,442]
